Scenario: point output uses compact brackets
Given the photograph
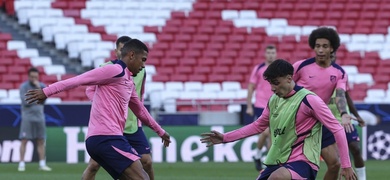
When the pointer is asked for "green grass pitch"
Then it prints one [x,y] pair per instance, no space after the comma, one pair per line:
[378,170]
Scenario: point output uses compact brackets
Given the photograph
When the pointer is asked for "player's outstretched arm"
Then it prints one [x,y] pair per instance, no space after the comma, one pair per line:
[321,112]
[348,174]
[212,138]
[166,139]
[35,95]
[249,108]
[341,103]
[142,113]
[103,75]
[353,110]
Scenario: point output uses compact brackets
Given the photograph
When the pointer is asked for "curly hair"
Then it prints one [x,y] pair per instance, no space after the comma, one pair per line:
[326,33]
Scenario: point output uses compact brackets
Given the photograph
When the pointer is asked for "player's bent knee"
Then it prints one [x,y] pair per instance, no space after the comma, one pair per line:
[354,148]
[134,172]
[334,166]
[147,165]
[280,174]
[93,166]
[146,161]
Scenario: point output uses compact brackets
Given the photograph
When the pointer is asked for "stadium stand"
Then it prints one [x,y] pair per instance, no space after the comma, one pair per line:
[207,43]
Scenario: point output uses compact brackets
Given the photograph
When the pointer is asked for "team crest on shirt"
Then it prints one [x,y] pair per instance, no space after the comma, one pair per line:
[332,78]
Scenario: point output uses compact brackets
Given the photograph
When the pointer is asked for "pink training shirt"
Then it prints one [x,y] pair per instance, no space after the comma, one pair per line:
[90,91]
[114,94]
[312,109]
[322,81]
[262,87]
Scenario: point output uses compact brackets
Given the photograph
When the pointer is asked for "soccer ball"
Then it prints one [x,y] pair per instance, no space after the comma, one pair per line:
[379,145]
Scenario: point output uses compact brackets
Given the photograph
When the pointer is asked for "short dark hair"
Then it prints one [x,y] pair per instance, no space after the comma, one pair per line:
[33,69]
[122,39]
[278,68]
[270,47]
[327,33]
[133,45]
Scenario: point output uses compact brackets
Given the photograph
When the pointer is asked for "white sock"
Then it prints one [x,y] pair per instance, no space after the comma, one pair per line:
[258,153]
[42,163]
[22,164]
[361,173]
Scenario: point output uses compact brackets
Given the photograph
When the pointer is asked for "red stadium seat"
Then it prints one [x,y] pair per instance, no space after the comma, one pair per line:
[218,6]
[300,15]
[286,6]
[59,5]
[235,5]
[251,5]
[192,53]
[3,70]
[221,69]
[49,79]
[179,77]
[175,22]
[370,70]
[156,53]
[164,70]
[178,15]
[240,31]
[11,78]
[213,15]
[7,85]
[303,6]
[235,77]
[240,70]
[336,6]
[153,61]
[211,54]
[202,6]
[161,78]
[173,54]
[269,6]
[169,61]
[284,14]
[247,55]
[265,14]
[202,69]
[334,15]
[216,78]
[5,37]
[17,70]
[226,61]
[183,70]
[72,13]
[151,29]
[229,54]
[198,77]
[382,79]
[206,61]
[188,61]
[22,62]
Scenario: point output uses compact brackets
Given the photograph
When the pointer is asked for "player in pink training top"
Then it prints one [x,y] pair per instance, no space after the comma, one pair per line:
[352,137]
[321,76]
[294,116]
[114,95]
[263,93]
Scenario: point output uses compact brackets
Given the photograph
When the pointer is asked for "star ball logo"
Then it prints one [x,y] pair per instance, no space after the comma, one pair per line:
[379,145]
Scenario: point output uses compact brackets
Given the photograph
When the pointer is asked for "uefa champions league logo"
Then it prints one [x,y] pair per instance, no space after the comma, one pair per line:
[379,145]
